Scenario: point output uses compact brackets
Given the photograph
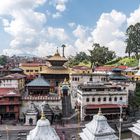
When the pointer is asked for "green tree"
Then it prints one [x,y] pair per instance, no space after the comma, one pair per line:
[75,60]
[133,40]
[3,60]
[100,55]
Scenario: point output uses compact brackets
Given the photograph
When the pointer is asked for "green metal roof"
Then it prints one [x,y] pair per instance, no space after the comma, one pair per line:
[39,81]
[16,69]
[116,77]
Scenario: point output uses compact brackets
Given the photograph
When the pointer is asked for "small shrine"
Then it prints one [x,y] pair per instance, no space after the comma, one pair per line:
[48,112]
[135,131]
[98,129]
[43,130]
[31,115]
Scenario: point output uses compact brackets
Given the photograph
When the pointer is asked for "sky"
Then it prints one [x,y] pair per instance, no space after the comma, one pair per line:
[38,27]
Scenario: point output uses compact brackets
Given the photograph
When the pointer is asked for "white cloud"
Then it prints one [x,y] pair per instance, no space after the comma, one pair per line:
[28,27]
[134,17]
[108,31]
[60,5]
[83,40]
[57,33]
[72,24]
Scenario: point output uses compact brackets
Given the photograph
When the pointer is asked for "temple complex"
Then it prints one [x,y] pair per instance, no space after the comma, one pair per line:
[98,129]
[56,72]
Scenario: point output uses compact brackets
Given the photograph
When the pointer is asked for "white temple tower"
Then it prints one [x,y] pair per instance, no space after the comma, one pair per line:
[135,131]
[98,129]
[43,130]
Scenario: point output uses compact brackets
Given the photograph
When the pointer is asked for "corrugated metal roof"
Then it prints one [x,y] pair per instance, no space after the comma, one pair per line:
[40,81]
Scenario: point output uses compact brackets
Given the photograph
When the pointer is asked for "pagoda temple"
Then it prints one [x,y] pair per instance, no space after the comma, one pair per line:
[56,72]
[98,129]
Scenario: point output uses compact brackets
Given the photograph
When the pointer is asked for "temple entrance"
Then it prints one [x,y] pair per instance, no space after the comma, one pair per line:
[31,121]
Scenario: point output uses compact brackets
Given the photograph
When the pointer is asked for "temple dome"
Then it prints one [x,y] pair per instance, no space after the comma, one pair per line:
[43,131]
[98,129]
[43,122]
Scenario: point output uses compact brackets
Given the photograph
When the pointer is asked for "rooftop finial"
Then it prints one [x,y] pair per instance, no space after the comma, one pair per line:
[42,111]
[99,112]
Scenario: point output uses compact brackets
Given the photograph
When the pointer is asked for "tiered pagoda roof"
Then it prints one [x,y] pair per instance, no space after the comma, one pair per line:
[40,82]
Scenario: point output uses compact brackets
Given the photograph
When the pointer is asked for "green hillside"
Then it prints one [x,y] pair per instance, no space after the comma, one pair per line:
[131,62]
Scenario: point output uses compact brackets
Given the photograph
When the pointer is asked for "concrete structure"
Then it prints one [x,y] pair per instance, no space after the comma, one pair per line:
[98,129]
[31,115]
[107,96]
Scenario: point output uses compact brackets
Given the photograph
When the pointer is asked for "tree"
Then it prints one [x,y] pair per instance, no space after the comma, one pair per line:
[80,57]
[3,60]
[133,40]
[100,55]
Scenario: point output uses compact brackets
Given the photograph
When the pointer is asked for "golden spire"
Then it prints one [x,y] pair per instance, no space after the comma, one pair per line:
[99,112]
[43,116]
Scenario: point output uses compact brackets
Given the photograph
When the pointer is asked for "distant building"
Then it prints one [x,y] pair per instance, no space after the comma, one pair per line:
[16,70]
[10,101]
[15,80]
[135,131]
[107,96]
[98,129]
[32,69]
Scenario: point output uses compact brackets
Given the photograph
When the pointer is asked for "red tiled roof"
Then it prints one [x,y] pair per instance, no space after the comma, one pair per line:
[9,92]
[32,64]
[13,76]
[95,106]
[81,68]
[109,68]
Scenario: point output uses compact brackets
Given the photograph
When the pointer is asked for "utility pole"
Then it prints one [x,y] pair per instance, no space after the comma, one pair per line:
[120,127]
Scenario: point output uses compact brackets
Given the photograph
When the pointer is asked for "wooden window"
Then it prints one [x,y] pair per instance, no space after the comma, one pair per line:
[87,99]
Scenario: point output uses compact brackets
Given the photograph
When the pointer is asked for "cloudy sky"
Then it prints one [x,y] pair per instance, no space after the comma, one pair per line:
[38,27]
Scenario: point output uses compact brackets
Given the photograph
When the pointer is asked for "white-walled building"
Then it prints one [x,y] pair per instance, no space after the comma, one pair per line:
[15,80]
[92,96]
